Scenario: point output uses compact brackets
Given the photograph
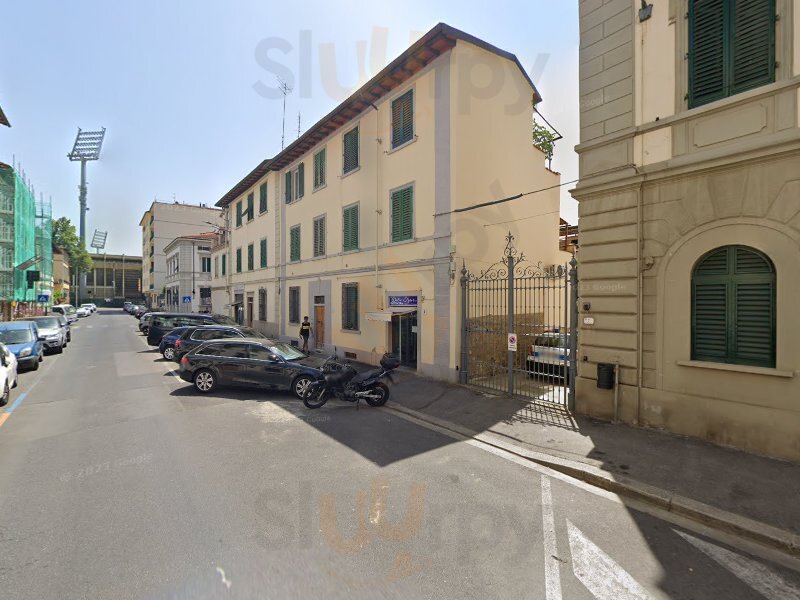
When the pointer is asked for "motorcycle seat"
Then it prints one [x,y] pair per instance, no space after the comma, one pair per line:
[366,375]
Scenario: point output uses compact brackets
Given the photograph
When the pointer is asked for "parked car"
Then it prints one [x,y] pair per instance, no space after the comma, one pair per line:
[549,355]
[67,310]
[193,337]
[54,334]
[140,310]
[127,306]
[167,345]
[251,362]
[8,373]
[90,307]
[162,322]
[144,322]
[65,324]
[22,338]
[83,311]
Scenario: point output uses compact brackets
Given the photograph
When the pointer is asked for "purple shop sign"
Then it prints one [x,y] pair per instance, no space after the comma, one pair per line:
[402,301]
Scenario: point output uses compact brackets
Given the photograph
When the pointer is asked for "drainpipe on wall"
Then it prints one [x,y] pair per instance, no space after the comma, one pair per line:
[639,302]
[378,211]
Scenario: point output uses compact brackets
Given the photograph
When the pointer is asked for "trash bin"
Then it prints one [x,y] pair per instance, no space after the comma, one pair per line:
[605,376]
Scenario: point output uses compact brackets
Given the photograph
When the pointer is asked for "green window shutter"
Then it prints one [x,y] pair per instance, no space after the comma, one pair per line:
[350,150]
[350,228]
[263,245]
[402,214]
[294,304]
[262,198]
[238,260]
[319,169]
[733,308]
[239,213]
[319,236]
[250,260]
[294,244]
[250,206]
[301,180]
[707,43]
[287,195]
[224,264]
[350,306]
[753,44]
[403,119]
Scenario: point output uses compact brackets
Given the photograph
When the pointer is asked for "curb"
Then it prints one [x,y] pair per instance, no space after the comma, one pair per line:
[707,515]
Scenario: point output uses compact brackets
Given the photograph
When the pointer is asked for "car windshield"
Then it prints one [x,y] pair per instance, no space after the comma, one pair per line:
[48,323]
[286,352]
[15,336]
[551,341]
[69,310]
[247,332]
[223,320]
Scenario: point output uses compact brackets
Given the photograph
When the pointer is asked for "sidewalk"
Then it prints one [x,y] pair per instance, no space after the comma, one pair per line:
[654,466]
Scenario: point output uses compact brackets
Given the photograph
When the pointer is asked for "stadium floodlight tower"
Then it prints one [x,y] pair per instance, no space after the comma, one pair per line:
[87,147]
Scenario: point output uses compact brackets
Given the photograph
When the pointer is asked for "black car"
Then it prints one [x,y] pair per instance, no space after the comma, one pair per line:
[250,362]
[192,337]
[162,322]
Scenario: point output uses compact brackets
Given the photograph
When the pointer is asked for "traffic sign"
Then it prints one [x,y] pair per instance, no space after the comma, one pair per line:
[43,298]
[512,342]
[187,299]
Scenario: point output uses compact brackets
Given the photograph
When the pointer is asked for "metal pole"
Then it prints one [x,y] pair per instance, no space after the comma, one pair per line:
[572,363]
[463,374]
[510,328]
[82,202]
[123,277]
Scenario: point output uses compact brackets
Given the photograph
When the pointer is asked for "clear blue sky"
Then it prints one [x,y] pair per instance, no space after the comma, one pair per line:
[173,82]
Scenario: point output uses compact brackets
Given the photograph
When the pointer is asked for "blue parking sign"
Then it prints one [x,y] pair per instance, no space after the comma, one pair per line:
[43,298]
[187,299]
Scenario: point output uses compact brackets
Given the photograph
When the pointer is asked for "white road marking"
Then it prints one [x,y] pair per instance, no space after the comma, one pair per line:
[226,581]
[552,576]
[598,572]
[765,581]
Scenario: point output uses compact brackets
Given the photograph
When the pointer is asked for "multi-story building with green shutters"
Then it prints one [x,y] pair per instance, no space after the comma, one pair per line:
[689,201]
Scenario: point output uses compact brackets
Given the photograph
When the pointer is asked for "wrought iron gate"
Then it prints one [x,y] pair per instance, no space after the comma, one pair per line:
[537,306]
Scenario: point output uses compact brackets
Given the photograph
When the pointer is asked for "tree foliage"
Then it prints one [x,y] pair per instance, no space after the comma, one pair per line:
[66,237]
[545,140]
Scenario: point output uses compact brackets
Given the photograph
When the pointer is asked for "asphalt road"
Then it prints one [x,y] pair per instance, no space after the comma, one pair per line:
[117,480]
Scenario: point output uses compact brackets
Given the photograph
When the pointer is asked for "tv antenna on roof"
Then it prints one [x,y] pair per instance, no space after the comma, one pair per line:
[285,90]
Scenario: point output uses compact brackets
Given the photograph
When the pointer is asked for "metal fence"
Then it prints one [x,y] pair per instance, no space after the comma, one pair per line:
[518,320]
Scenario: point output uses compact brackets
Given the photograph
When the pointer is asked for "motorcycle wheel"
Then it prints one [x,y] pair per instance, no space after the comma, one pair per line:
[381,392]
[314,398]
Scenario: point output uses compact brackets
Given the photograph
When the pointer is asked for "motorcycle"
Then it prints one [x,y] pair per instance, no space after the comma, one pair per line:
[341,380]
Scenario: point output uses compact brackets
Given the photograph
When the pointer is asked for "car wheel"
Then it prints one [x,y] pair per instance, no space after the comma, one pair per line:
[169,353]
[205,381]
[41,356]
[60,349]
[16,381]
[6,395]
[300,386]
[35,366]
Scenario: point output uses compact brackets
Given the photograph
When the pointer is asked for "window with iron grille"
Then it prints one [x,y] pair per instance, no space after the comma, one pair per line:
[350,228]
[238,260]
[224,264]
[350,306]
[294,243]
[733,307]
[205,292]
[287,185]
[731,47]
[262,198]
[250,257]
[350,150]
[263,249]
[239,213]
[250,197]
[319,169]
[294,304]
[402,214]
[262,304]
[205,264]
[319,236]
[403,119]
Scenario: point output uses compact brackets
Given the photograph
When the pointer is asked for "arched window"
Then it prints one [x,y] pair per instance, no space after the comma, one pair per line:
[733,307]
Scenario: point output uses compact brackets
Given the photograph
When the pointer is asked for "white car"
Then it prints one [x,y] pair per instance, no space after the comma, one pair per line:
[83,311]
[549,355]
[66,310]
[8,373]
[90,307]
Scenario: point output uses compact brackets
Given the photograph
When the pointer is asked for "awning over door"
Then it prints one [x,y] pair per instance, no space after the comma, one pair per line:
[386,315]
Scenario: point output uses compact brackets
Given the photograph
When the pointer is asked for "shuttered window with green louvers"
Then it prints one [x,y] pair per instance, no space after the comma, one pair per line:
[294,243]
[403,119]
[319,236]
[350,228]
[250,257]
[403,214]
[287,185]
[238,260]
[300,180]
[350,306]
[731,47]
[239,213]
[224,265]
[319,169]
[263,248]
[262,198]
[350,150]
[733,308]
[250,201]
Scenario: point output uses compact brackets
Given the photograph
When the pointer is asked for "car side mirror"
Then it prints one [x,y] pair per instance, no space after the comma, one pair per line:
[42,338]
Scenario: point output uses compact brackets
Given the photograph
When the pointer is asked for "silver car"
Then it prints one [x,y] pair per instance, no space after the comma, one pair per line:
[51,332]
[67,310]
